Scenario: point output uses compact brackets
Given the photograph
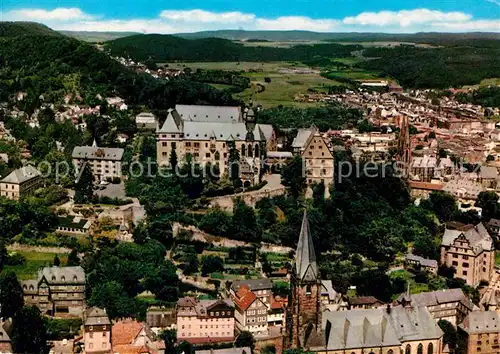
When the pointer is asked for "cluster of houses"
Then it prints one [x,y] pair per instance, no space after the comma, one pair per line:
[314,316]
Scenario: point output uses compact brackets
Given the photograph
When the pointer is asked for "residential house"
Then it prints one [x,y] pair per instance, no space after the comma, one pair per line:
[206,133]
[146,120]
[317,158]
[471,251]
[205,321]
[250,312]
[21,182]
[161,318]
[5,342]
[480,333]
[132,337]
[363,302]
[96,331]
[488,176]
[57,291]
[428,167]
[262,288]
[494,226]
[430,265]
[105,163]
[73,225]
[451,305]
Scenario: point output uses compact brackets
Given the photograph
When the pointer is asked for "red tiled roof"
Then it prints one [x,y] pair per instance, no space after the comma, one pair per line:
[124,332]
[425,185]
[132,349]
[203,340]
[244,298]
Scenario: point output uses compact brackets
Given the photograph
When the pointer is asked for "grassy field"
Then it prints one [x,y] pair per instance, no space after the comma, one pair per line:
[34,261]
[282,89]
[485,83]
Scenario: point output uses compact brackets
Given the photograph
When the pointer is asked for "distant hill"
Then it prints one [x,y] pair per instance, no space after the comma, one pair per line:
[164,48]
[90,36]
[280,36]
[14,29]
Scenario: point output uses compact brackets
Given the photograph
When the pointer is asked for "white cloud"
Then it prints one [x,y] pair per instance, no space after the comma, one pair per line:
[496,2]
[296,23]
[58,14]
[176,21]
[405,18]
[206,16]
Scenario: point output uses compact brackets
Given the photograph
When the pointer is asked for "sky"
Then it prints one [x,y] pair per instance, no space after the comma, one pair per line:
[176,16]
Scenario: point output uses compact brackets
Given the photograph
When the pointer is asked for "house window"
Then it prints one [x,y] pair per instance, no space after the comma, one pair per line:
[408,349]
[308,290]
[207,155]
[173,144]
[430,349]
[465,265]
[464,272]
[420,349]
[454,263]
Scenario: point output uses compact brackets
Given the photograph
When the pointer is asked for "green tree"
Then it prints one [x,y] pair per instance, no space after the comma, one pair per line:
[443,204]
[192,264]
[169,337]
[490,158]
[83,188]
[450,334]
[173,161]
[244,223]
[245,339]
[488,202]
[365,126]
[11,295]
[4,255]
[216,222]
[57,261]
[163,282]
[293,176]
[442,154]
[73,259]
[29,332]
[211,264]
[425,245]
[112,296]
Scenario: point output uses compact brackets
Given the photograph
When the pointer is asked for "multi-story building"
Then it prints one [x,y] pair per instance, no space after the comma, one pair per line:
[470,250]
[105,163]
[146,120]
[20,183]
[57,291]
[250,312]
[363,302]
[427,167]
[131,336]
[262,288]
[205,321]
[317,158]
[451,305]
[206,134]
[96,331]
[480,333]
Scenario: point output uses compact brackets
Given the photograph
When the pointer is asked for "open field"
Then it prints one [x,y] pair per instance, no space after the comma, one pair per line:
[282,89]
[34,261]
[486,82]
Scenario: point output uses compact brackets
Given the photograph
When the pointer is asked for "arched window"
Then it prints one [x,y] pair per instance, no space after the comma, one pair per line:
[217,156]
[243,150]
[408,349]
[257,151]
[53,277]
[420,349]
[308,289]
[430,349]
[63,278]
[75,278]
[250,150]
[31,287]
[390,351]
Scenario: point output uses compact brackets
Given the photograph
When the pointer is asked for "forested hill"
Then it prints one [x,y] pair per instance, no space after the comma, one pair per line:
[167,48]
[53,66]
[14,29]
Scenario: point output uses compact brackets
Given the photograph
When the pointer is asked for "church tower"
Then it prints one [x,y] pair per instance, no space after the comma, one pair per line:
[304,303]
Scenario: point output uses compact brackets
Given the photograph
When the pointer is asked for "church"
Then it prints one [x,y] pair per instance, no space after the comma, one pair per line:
[407,329]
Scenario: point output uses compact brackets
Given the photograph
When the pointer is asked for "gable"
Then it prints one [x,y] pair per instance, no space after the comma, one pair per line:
[317,148]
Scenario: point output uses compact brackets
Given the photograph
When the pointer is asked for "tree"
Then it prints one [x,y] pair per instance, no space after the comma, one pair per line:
[57,261]
[11,295]
[112,296]
[490,158]
[425,246]
[211,264]
[443,204]
[173,160]
[244,223]
[163,282]
[4,255]
[297,351]
[29,333]
[216,222]
[170,339]
[450,334]
[192,264]
[442,154]
[488,202]
[245,339]
[365,126]
[234,164]
[293,176]
[73,259]
[83,188]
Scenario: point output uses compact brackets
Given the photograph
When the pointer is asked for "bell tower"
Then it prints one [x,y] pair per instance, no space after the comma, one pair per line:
[304,303]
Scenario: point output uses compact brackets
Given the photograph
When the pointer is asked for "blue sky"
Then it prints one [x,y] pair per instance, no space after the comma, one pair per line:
[172,16]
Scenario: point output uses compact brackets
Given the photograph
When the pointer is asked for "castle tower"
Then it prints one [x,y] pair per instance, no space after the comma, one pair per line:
[304,304]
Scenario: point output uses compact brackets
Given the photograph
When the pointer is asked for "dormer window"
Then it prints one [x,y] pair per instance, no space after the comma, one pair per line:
[53,278]
[75,278]
[63,278]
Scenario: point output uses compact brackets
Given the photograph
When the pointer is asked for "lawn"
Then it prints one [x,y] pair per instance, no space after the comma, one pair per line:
[282,89]
[35,261]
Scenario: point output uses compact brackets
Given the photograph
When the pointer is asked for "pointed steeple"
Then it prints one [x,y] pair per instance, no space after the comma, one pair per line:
[305,258]
[94,144]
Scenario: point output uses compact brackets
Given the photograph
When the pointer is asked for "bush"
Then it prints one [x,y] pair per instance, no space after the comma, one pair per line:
[256,187]
[16,259]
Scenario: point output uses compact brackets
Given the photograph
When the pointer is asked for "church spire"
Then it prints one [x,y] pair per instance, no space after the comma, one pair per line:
[305,257]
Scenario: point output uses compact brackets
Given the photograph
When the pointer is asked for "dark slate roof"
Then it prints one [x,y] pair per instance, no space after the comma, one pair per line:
[97,153]
[363,300]
[478,237]
[62,275]
[95,316]
[438,297]
[423,261]
[306,266]
[22,175]
[481,322]
[253,284]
